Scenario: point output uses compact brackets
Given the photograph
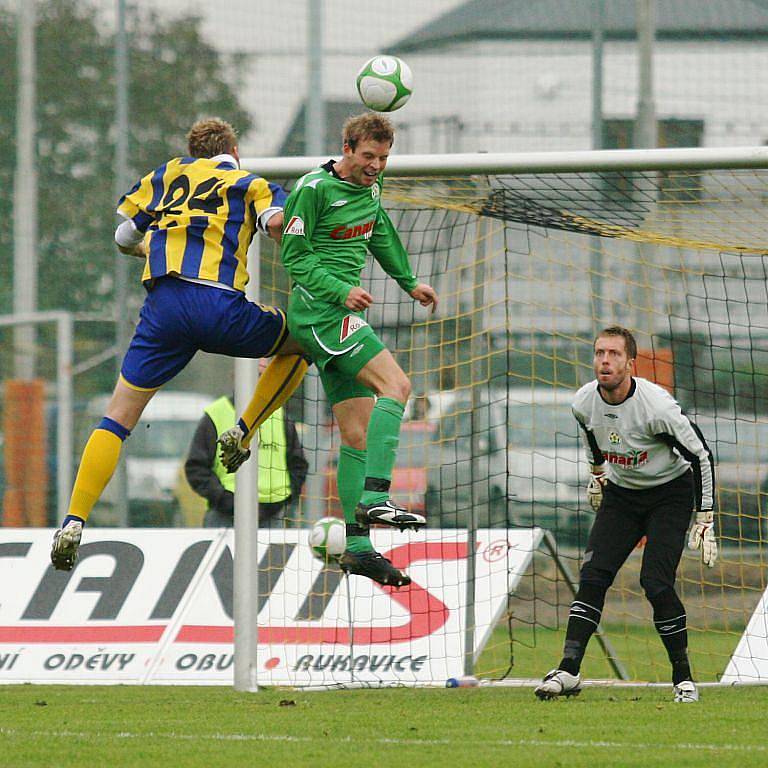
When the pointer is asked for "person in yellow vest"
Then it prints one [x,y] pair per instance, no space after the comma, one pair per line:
[282,467]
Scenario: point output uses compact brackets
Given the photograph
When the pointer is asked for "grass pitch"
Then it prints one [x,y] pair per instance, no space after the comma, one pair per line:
[211,726]
[638,647]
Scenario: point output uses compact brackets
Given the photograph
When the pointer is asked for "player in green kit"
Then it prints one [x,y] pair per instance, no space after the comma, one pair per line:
[333,219]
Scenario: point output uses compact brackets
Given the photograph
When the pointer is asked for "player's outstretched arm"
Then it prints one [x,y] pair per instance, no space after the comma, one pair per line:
[425,295]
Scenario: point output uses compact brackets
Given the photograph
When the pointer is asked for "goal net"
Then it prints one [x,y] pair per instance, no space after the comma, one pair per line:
[531,256]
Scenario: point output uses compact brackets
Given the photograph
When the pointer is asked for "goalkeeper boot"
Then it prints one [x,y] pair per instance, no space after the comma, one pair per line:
[388,513]
[375,566]
[556,683]
[233,454]
[66,542]
[685,692]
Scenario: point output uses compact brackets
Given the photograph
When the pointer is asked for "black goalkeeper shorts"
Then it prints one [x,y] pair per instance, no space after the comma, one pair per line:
[661,514]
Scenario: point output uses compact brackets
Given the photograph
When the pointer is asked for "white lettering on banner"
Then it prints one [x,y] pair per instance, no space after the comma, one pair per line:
[155,606]
[749,663]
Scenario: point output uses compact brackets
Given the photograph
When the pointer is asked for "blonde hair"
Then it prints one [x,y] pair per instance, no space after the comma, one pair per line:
[369,126]
[210,137]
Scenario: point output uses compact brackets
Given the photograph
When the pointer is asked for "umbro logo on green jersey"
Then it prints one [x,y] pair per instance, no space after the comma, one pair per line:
[338,203]
[295,226]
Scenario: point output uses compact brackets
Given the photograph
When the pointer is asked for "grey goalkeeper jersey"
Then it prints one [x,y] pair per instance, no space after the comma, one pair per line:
[645,440]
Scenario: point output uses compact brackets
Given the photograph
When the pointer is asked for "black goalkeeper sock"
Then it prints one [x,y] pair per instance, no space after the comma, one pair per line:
[670,621]
[681,668]
[583,620]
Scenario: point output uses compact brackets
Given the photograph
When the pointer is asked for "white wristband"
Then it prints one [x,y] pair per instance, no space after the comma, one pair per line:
[127,235]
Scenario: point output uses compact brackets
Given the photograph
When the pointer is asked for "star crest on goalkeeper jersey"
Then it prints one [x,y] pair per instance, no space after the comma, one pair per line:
[295,226]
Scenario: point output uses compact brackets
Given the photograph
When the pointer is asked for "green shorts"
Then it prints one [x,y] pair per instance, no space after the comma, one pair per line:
[340,343]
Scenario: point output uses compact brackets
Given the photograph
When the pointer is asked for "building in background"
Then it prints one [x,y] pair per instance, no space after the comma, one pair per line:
[502,76]
[516,76]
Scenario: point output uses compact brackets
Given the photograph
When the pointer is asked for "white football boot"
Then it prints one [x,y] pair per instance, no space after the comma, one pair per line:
[66,542]
[685,692]
[558,682]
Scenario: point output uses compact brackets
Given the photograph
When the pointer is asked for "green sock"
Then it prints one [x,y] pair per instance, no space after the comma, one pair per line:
[383,439]
[350,477]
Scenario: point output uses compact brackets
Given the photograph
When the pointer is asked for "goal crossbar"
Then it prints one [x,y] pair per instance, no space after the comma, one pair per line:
[534,162]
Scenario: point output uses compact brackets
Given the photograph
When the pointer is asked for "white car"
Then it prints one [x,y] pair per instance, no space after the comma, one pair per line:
[515,457]
[543,446]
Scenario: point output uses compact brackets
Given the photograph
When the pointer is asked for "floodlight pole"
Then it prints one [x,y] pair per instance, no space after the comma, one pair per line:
[120,174]
[314,116]
[645,133]
[25,194]
[598,11]
[596,243]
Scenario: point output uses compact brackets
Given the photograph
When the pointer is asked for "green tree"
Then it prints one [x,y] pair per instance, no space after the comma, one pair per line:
[175,75]
[7,133]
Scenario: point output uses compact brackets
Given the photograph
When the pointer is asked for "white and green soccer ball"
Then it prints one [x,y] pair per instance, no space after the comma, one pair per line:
[385,83]
[328,538]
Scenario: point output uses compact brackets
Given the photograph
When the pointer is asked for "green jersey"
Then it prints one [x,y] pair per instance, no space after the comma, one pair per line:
[331,224]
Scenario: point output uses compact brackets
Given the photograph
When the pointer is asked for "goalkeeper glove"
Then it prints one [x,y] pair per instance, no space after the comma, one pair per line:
[702,536]
[595,486]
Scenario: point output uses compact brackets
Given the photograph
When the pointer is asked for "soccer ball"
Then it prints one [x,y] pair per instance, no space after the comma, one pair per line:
[328,538]
[385,83]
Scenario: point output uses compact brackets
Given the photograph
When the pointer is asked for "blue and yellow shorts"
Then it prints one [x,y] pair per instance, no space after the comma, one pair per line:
[179,318]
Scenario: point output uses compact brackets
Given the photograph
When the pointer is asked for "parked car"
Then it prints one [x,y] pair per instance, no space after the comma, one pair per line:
[156,449]
[409,477]
[515,459]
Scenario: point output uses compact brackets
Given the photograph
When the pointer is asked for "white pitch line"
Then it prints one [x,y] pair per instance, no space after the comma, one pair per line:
[14,732]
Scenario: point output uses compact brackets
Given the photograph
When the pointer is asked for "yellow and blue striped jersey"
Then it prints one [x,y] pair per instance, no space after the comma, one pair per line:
[200,216]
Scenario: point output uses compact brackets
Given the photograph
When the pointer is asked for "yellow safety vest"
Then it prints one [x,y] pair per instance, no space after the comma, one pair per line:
[274,479]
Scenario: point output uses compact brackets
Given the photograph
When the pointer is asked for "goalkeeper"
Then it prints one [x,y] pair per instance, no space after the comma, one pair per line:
[333,218]
[190,221]
[650,468]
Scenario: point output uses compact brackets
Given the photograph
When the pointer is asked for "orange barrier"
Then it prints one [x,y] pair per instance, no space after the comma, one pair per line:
[26,446]
[657,365]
